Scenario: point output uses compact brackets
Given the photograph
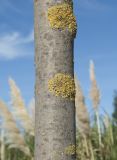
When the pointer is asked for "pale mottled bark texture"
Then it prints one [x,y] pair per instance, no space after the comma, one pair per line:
[55,116]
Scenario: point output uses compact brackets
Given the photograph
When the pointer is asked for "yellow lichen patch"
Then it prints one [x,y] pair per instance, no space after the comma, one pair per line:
[70,150]
[62,85]
[61,17]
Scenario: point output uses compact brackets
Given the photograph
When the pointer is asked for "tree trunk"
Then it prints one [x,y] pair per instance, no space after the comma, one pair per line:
[55,114]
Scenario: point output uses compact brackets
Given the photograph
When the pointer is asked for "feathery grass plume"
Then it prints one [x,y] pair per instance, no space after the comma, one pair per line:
[9,122]
[81,110]
[94,93]
[20,111]
[12,133]
[95,97]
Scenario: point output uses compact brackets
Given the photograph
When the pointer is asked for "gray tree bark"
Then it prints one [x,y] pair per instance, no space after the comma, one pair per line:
[55,116]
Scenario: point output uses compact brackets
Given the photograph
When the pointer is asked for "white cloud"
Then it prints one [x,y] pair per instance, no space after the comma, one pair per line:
[14,45]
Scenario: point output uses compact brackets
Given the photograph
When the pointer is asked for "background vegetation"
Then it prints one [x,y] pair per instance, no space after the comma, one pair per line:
[96,133]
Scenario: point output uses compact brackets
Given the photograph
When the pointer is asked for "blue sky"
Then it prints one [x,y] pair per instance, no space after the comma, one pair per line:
[96,40]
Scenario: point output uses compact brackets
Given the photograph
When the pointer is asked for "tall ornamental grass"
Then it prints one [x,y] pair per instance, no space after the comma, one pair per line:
[96,136]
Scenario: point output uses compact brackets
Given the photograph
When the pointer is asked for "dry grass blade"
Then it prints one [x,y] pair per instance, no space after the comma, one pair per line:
[20,111]
[31,107]
[108,126]
[2,145]
[106,121]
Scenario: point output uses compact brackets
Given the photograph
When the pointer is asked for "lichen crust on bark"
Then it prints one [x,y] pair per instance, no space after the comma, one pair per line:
[62,85]
[61,16]
[70,150]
